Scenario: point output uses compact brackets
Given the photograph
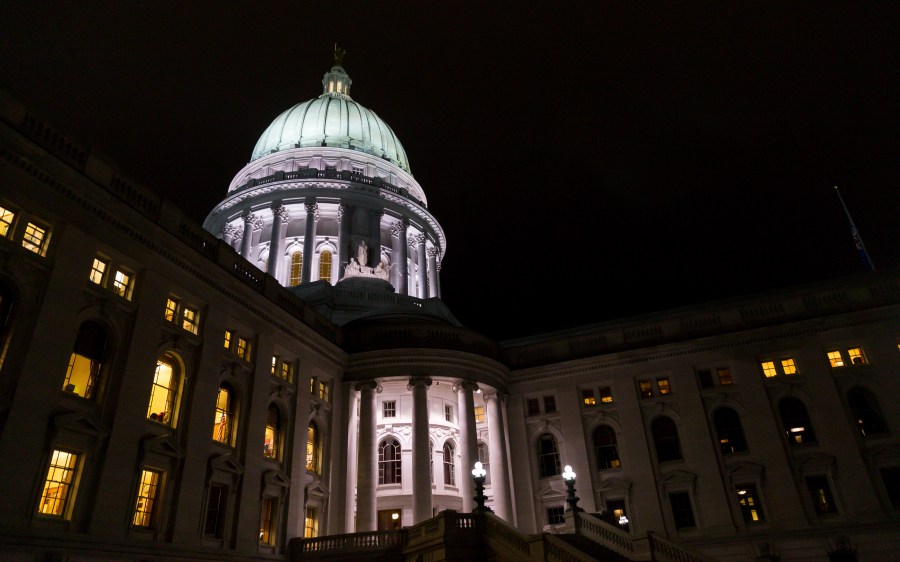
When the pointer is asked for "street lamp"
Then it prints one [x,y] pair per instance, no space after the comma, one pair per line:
[478,474]
[569,477]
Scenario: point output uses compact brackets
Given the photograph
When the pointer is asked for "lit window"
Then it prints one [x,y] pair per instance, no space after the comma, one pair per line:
[216,507]
[555,516]
[296,269]
[243,349]
[448,413]
[331,85]
[58,485]
[34,238]
[548,456]
[768,368]
[84,364]
[98,271]
[724,376]
[834,357]
[223,419]
[172,310]
[312,448]
[339,86]
[606,396]
[325,266]
[479,414]
[228,338]
[795,421]
[267,521]
[587,397]
[164,393]
[549,404]
[191,320]
[788,366]
[820,494]
[6,220]
[312,385]
[272,440]
[389,408]
[449,465]
[323,391]
[389,462]
[148,488]
[749,502]
[122,283]
[287,371]
[646,388]
[311,523]
[663,385]
[856,356]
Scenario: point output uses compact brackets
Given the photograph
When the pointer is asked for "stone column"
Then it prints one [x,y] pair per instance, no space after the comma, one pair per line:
[276,244]
[468,446]
[437,280]
[228,234]
[375,238]
[423,269]
[343,238]
[309,240]
[247,238]
[401,258]
[499,470]
[421,478]
[432,272]
[367,463]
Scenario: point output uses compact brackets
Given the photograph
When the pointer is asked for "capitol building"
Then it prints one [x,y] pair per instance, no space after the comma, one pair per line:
[284,382]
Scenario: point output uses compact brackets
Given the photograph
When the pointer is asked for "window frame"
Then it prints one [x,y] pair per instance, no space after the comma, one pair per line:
[66,477]
[148,493]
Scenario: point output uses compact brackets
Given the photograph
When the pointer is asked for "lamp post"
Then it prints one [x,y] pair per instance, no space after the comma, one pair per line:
[478,474]
[571,499]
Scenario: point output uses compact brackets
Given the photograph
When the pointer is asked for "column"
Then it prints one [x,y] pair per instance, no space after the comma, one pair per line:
[401,257]
[423,269]
[499,470]
[437,280]
[343,238]
[375,238]
[421,478]
[247,238]
[309,240]
[468,446]
[367,464]
[432,272]
[276,243]
[228,234]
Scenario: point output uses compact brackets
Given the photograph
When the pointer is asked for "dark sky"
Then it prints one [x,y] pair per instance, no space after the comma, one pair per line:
[587,161]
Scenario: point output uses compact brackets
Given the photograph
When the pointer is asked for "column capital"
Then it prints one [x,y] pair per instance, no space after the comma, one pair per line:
[417,239]
[416,381]
[343,209]
[498,396]
[463,385]
[368,385]
[279,211]
[258,223]
[432,252]
[247,216]
[312,208]
[228,229]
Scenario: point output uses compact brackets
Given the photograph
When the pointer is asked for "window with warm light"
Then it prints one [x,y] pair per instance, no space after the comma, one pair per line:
[323,391]
[228,338]
[835,359]
[748,500]
[325,266]
[272,438]
[98,271]
[311,523]
[646,387]
[243,349]
[164,393]
[795,421]
[287,370]
[479,414]
[606,396]
[725,377]
[122,284]
[312,448]
[856,356]
[35,238]
[267,521]
[147,497]
[788,367]
[587,397]
[171,309]
[83,373]
[768,368]
[663,385]
[58,491]
[224,417]
[191,320]
[6,221]
[296,269]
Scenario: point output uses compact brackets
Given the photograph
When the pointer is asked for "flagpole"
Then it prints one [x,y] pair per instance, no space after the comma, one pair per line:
[855,233]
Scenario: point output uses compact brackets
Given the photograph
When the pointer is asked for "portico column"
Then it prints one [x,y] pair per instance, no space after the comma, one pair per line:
[247,238]
[309,240]
[421,478]
[499,470]
[228,234]
[468,447]
[423,269]
[402,258]
[276,244]
[432,272]
[367,463]
[343,237]
[375,239]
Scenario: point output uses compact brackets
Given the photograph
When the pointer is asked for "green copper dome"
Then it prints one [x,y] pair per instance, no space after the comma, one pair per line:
[332,119]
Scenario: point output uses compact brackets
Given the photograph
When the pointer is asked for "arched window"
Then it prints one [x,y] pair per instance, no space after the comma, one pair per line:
[729,431]
[224,420]
[548,456]
[296,269]
[389,462]
[865,412]
[83,373]
[312,448]
[665,439]
[484,458]
[449,465]
[272,443]
[606,450]
[164,394]
[795,421]
[325,266]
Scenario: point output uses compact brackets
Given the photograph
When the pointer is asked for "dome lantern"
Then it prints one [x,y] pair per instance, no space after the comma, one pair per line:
[336,81]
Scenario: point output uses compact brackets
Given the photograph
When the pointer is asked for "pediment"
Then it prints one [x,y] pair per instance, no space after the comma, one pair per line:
[746,469]
[163,445]
[814,461]
[83,423]
[679,477]
[610,484]
[277,478]
[226,463]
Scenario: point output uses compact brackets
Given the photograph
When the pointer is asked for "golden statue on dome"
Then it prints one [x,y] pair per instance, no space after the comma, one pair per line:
[339,55]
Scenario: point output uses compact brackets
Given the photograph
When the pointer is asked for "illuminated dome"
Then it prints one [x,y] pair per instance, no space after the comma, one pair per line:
[332,119]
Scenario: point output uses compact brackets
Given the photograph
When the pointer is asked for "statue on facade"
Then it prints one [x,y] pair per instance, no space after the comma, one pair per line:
[358,266]
[339,55]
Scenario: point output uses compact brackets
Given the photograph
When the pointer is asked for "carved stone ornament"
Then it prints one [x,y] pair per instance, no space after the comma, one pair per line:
[357,267]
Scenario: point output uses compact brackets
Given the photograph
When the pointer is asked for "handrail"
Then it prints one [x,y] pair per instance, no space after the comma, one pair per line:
[665,550]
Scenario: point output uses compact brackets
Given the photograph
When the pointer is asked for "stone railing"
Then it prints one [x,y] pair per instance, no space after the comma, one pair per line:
[313,173]
[311,548]
[664,550]
[612,537]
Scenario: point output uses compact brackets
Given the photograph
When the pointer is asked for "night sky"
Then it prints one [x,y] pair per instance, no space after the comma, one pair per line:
[587,162]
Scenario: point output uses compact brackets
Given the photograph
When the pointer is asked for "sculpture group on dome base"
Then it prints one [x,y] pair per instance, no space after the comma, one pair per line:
[357,267]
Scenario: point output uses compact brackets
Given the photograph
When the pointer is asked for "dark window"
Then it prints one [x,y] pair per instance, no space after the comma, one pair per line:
[215,511]
[682,511]
[485,460]
[605,448]
[534,407]
[704,376]
[555,516]
[389,462]
[729,431]
[890,476]
[795,421]
[548,456]
[820,494]
[865,412]
[665,437]
[549,404]
[748,500]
